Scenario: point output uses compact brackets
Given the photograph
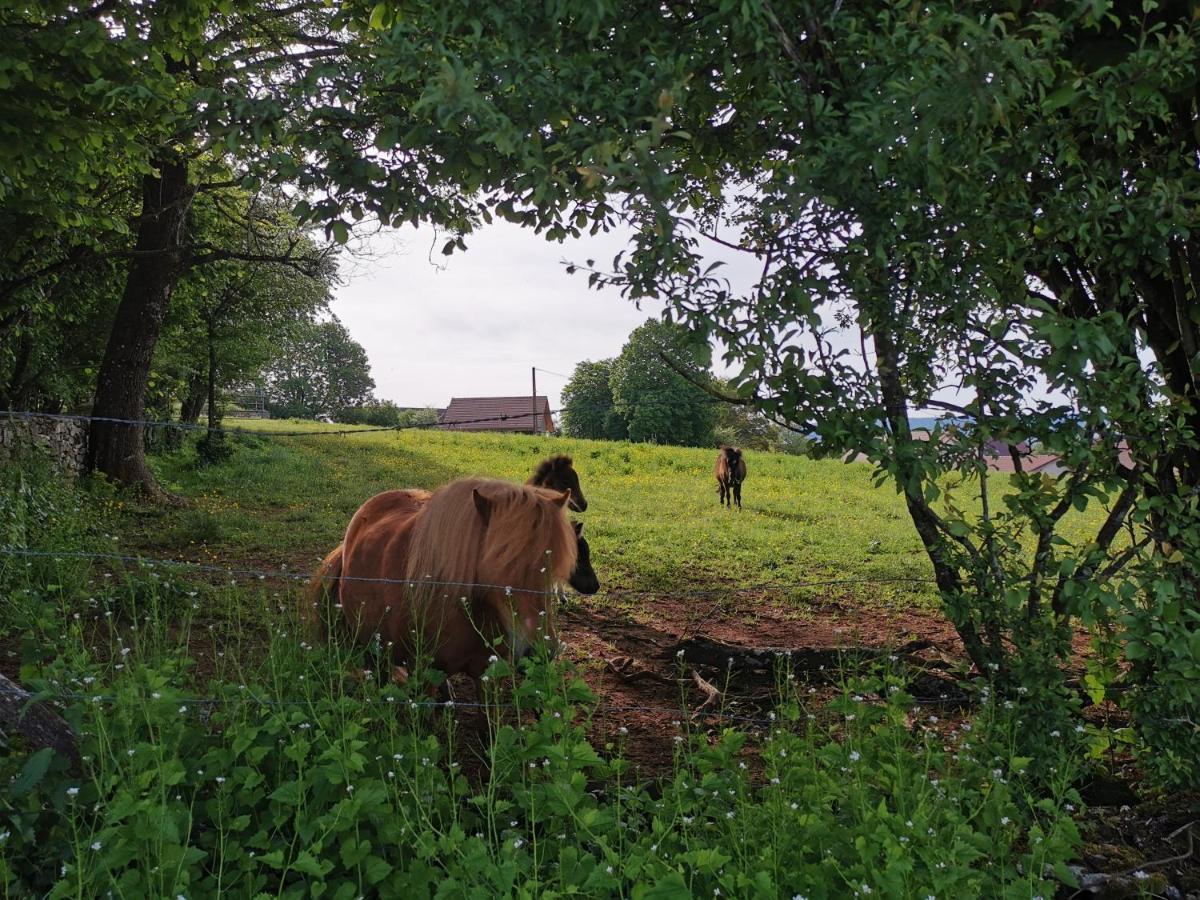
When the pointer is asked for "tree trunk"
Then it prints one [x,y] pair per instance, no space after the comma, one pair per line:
[116,449]
[37,722]
[214,419]
[193,400]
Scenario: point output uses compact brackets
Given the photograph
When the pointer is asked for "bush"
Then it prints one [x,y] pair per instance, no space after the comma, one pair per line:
[385,414]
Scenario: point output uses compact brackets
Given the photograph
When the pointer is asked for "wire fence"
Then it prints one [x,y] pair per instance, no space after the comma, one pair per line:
[150,562]
[262,432]
[782,653]
[395,702]
[237,572]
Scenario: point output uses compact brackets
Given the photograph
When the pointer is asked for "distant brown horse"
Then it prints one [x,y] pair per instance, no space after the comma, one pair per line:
[730,472]
[482,558]
[558,473]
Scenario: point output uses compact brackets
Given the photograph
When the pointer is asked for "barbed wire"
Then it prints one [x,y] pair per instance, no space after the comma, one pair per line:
[255,432]
[398,702]
[264,574]
[600,707]
[418,426]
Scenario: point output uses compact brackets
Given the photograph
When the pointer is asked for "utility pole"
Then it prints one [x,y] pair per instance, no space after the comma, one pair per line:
[533,398]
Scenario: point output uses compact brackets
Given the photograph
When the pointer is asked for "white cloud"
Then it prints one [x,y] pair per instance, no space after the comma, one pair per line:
[472,324]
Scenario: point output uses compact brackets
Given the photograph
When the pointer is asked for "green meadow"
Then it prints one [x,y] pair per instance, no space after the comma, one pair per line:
[653,522]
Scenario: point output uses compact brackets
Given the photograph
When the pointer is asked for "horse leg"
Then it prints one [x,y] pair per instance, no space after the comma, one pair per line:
[737,494]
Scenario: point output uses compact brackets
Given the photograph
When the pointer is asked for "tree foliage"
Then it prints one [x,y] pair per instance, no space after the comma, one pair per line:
[320,371]
[587,403]
[658,403]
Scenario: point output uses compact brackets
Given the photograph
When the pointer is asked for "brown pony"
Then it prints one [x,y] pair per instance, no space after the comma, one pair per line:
[730,472]
[558,473]
[489,553]
[555,472]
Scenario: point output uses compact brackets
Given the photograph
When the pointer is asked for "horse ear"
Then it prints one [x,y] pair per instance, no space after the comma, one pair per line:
[578,528]
[483,504]
[561,499]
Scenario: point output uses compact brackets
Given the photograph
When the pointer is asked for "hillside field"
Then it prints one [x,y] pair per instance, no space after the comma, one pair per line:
[653,522]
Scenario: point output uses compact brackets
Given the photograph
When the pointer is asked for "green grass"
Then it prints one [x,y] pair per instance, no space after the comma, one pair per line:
[653,521]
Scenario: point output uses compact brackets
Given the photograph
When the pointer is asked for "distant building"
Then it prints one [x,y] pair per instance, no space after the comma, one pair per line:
[995,453]
[250,403]
[524,415]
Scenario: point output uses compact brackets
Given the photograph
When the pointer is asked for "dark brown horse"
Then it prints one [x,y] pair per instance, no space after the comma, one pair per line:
[558,473]
[479,559]
[730,472]
[583,577]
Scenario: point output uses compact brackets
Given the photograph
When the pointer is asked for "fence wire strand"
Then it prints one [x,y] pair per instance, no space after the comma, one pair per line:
[265,574]
[255,432]
[150,562]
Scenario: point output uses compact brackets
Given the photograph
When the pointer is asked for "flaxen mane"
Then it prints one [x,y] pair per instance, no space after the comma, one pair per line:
[454,540]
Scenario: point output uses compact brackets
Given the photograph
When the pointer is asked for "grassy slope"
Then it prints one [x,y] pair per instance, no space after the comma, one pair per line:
[654,522]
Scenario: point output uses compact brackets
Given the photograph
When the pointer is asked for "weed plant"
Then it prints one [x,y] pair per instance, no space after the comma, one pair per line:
[283,776]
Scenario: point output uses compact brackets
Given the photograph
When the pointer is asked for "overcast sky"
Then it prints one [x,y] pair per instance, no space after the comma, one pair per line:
[472,324]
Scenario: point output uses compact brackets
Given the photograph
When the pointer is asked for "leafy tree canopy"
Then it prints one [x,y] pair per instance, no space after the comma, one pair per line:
[587,403]
[658,403]
[953,208]
[320,371]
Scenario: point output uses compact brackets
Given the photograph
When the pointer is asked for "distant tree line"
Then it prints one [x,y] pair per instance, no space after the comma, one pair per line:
[660,389]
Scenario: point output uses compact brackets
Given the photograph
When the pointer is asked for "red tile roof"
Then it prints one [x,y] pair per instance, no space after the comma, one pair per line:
[500,413]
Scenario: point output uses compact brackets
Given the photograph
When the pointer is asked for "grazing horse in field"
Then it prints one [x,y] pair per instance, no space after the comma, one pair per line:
[481,559]
[730,472]
[558,472]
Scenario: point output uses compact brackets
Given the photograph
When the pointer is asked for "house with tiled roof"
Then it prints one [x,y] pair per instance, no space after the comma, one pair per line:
[523,415]
[995,454]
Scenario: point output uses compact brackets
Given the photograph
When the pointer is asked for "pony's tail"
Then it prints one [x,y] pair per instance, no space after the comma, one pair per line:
[322,595]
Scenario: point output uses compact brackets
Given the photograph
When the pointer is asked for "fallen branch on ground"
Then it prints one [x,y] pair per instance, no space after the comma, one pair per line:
[36,722]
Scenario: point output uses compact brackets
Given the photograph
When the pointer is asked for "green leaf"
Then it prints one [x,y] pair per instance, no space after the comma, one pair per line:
[1060,97]
[379,17]
[288,794]
[669,887]
[307,864]
[376,869]
[32,772]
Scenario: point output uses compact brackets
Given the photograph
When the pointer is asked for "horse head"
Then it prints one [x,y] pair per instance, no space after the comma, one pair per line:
[529,546]
[732,457]
[558,473]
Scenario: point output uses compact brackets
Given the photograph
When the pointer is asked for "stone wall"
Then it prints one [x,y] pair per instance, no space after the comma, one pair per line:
[61,440]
